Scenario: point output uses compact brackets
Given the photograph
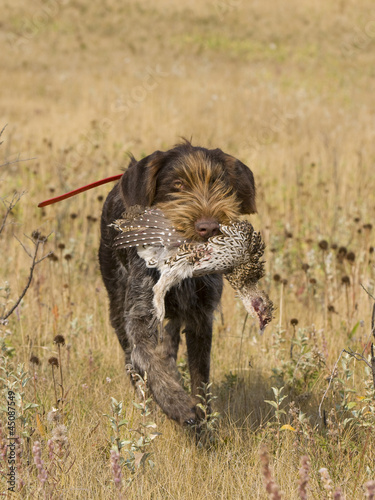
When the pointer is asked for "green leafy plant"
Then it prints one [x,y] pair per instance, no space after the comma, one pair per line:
[208,423]
[301,369]
[276,404]
[16,380]
[133,448]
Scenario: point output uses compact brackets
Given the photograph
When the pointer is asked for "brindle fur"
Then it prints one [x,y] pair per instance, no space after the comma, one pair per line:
[189,184]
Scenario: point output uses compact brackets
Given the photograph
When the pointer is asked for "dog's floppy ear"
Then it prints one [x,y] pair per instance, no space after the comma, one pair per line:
[138,184]
[242,180]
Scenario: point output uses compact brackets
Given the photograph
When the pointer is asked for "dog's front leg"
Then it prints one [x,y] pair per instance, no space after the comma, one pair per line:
[198,341]
[156,359]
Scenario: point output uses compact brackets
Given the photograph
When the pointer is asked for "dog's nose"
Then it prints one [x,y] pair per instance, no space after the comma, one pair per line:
[207,228]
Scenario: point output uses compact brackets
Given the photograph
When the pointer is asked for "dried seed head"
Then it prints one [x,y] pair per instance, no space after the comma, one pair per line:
[53,417]
[294,321]
[276,277]
[59,339]
[305,267]
[73,216]
[53,361]
[38,237]
[35,235]
[35,360]
[68,257]
[326,479]
[313,281]
[334,246]
[345,280]
[342,251]
[323,245]
[357,219]
[53,257]
[331,308]
[100,198]
[284,281]
[368,226]
[371,250]
[61,246]
[59,434]
[350,256]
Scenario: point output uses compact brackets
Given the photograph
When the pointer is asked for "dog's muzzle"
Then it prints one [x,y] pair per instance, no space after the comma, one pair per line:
[207,228]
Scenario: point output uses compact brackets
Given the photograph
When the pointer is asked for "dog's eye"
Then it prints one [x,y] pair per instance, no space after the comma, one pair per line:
[179,185]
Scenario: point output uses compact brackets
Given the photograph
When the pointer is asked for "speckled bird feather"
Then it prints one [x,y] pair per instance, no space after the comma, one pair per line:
[236,253]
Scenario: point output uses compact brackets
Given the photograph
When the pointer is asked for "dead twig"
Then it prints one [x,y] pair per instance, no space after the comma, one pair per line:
[357,356]
[35,261]
[9,207]
[18,160]
[368,293]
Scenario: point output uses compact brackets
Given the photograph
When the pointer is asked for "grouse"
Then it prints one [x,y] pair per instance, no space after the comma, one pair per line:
[236,253]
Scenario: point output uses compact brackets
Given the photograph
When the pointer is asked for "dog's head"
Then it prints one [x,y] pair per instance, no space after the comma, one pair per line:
[196,188]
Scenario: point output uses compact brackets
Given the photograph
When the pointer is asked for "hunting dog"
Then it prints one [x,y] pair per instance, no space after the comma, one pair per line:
[197,189]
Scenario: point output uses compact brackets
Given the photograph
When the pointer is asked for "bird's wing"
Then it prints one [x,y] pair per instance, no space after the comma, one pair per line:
[147,236]
[147,227]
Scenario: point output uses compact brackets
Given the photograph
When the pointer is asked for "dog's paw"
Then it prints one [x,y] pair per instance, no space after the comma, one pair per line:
[190,422]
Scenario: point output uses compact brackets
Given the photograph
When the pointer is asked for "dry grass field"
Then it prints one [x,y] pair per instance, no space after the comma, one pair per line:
[288,88]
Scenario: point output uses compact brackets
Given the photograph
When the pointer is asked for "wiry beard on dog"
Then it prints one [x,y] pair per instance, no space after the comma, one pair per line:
[200,191]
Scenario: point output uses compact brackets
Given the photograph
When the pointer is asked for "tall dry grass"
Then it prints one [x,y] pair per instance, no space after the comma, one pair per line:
[287,88]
